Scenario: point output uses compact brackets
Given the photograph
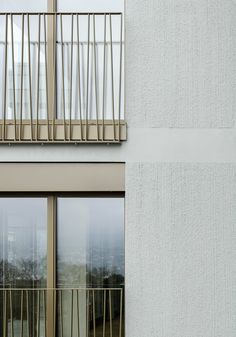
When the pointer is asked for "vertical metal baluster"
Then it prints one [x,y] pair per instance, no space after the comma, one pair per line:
[13,77]
[22,74]
[45,314]
[46,69]
[121,308]
[54,79]
[78,325]
[38,314]
[104,74]
[87,93]
[79,87]
[94,317]
[5,320]
[61,314]
[87,314]
[104,313]
[120,82]
[27,311]
[38,79]
[63,79]
[71,72]
[22,313]
[110,313]
[11,315]
[95,73]
[54,311]
[30,87]
[72,313]
[112,81]
[5,82]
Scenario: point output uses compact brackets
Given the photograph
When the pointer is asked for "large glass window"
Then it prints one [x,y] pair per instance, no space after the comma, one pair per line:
[62,264]
[23,263]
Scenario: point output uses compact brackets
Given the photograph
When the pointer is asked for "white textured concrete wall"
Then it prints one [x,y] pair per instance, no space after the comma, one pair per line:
[181,250]
[181,63]
[180,217]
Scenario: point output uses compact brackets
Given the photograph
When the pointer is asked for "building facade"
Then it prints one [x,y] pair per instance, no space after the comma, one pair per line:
[156,144]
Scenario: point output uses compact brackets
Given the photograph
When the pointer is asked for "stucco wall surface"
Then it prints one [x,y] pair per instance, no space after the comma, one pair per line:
[181,63]
[180,250]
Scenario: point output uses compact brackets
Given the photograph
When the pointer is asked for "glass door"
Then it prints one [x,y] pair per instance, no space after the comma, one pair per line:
[23,263]
[90,257]
[61,266]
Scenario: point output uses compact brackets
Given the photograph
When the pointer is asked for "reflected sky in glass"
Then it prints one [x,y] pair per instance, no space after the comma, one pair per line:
[23,5]
[23,242]
[90,247]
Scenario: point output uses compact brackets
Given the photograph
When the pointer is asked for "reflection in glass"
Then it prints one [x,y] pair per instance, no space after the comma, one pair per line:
[22,30]
[23,262]
[23,6]
[90,253]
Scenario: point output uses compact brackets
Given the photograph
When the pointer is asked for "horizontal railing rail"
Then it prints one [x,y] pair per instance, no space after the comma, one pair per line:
[62,77]
[47,312]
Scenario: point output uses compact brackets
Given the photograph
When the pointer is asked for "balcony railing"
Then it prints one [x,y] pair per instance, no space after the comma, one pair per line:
[77,312]
[62,77]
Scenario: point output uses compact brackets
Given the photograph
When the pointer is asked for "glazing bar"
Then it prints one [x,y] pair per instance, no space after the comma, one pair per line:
[46,70]
[13,78]
[5,81]
[30,82]
[95,73]
[112,81]
[22,75]
[79,87]
[63,79]
[38,79]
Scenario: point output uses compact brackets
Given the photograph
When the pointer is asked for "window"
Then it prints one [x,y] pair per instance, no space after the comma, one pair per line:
[62,261]
[62,71]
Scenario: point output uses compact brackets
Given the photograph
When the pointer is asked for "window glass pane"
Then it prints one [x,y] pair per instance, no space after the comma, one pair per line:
[23,5]
[90,243]
[23,263]
[23,242]
[90,252]
[91,5]
[22,102]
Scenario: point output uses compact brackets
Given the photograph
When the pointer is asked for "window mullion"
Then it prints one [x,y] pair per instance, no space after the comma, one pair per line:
[51,266]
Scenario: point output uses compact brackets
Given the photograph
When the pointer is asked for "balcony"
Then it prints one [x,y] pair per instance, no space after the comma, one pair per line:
[77,312]
[62,78]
